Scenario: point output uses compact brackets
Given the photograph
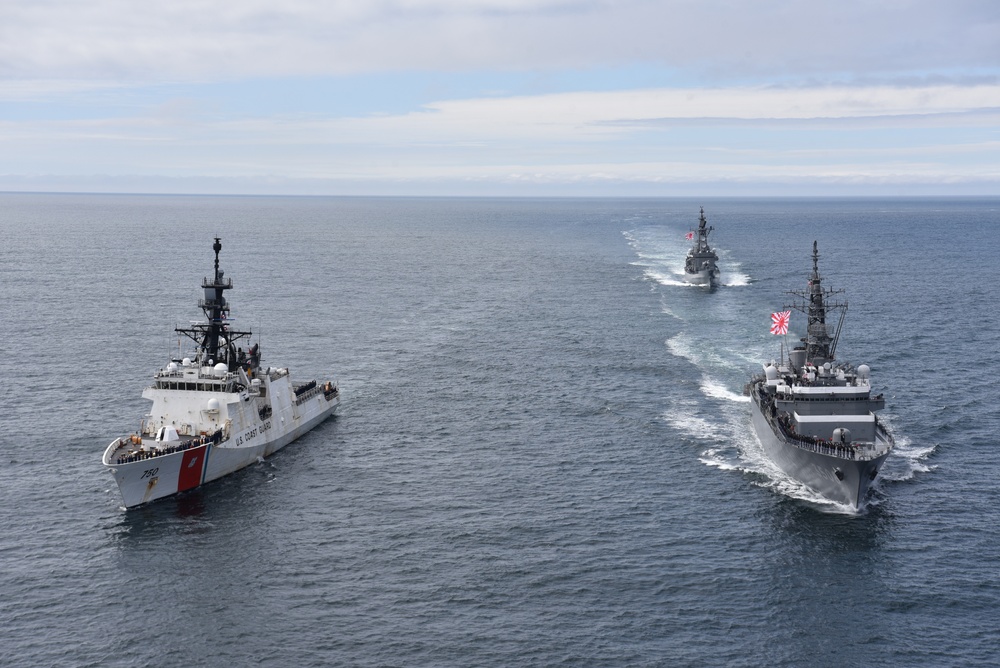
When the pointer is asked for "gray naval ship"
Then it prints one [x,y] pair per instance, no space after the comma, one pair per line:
[816,417]
[699,267]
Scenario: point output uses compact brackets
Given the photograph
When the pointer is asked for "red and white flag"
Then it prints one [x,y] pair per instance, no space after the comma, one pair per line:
[689,236]
[779,322]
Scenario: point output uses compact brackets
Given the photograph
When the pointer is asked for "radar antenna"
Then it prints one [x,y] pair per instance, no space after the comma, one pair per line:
[216,339]
[815,303]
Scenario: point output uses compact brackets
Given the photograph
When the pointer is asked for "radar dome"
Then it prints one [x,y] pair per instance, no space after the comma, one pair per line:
[864,371]
[770,372]
[172,366]
[213,405]
[186,361]
[221,369]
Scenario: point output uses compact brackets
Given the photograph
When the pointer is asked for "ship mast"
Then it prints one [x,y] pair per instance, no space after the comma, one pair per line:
[820,343]
[703,232]
[215,339]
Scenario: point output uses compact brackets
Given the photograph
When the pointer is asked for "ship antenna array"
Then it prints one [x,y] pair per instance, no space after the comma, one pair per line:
[803,305]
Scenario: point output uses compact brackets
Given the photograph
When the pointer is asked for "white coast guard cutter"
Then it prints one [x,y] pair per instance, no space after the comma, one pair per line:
[214,412]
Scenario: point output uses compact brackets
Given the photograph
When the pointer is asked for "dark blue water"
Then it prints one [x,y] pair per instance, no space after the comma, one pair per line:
[543,457]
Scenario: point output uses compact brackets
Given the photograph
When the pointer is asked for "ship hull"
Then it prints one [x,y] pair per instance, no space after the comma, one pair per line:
[815,470]
[705,277]
[164,475]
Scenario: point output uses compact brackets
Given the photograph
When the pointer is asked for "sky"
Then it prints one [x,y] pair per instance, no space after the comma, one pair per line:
[501,97]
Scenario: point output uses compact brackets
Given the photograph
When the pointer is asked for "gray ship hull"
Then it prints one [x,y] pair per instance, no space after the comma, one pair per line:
[815,470]
[708,277]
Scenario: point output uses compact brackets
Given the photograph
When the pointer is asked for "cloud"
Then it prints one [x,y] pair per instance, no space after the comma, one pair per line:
[622,91]
[564,117]
[585,118]
[605,109]
[186,40]
[650,136]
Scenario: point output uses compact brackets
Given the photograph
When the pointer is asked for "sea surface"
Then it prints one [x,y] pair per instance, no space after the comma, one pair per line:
[543,456]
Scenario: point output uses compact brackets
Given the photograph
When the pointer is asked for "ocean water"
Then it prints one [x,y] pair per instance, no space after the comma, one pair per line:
[543,456]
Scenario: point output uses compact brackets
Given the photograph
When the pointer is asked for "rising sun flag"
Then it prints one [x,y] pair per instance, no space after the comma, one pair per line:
[779,322]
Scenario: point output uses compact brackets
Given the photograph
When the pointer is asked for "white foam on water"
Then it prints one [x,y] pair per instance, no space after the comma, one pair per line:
[793,489]
[713,457]
[907,460]
[683,345]
[683,417]
[665,308]
[662,257]
[665,277]
[731,279]
[732,274]
[691,424]
[718,391]
[656,257]
[680,345]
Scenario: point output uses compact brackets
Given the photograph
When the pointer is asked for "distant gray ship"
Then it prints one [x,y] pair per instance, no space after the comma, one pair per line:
[699,268]
[815,417]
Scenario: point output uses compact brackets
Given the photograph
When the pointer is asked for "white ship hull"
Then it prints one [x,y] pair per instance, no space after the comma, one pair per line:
[245,438]
[147,476]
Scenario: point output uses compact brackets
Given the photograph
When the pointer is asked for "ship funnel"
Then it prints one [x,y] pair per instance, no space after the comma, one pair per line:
[797,358]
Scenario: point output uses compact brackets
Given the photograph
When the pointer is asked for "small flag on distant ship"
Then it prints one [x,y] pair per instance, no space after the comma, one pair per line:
[779,322]
[689,236]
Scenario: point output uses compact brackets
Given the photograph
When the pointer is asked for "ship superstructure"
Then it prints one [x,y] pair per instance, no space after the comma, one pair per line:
[214,411]
[815,417]
[700,265]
